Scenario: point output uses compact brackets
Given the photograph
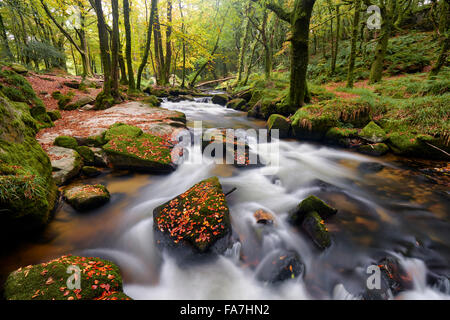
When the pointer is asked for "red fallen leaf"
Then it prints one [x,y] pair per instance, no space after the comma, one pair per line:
[111,276]
[62,289]
[105,286]
[44,272]
[70,298]
[94,287]
[49,281]
[66,293]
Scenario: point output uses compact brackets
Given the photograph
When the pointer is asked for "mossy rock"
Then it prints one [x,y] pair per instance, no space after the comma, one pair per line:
[311,204]
[87,197]
[153,101]
[195,222]
[278,122]
[220,99]
[237,104]
[373,133]
[90,172]
[54,115]
[416,145]
[312,123]
[66,142]
[27,191]
[100,280]
[159,92]
[87,154]
[66,164]
[92,141]
[103,101]
[79,103]
[19,69]
[315,228]
[64,100]
[129,148]
[341,136]
[376,150]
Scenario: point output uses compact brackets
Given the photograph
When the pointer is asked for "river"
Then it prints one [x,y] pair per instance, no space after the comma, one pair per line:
[385,208]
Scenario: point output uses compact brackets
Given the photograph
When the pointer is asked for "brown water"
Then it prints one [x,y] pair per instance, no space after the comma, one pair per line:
[386,206]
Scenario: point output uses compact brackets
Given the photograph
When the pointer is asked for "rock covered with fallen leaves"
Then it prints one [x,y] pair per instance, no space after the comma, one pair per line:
[86,197]
[128,147]
[99,280]
[66,164]
[195,222]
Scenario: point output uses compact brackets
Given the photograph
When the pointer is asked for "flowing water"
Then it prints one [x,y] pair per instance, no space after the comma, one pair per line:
[385,208]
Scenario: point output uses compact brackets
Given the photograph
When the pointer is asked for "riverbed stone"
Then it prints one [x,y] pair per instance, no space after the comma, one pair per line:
[100,280]
[315,228]
[66,164]
[90,172]
[220,99]
[280,123]
[311,204]
[341,136]
[373,133]
[279,266]
[376,150]
[129,148]
[236,104]
[87,154]
[66,142]
[86,197]
[79,103]
[196,222]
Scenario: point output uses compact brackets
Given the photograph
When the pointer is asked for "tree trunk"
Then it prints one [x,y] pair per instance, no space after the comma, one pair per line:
[351,61]
[168,59]
[336,44]
[147,44]
[183,30]
[444,32]
[243,48]
[376,72]
[115,50]
[5,40]
[126,18]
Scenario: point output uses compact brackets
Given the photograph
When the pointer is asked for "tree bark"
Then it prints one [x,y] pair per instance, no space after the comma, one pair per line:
[351,61]
[243,48]
[147,44]
[444,33]
[5,40]
[126,18]
[115,50]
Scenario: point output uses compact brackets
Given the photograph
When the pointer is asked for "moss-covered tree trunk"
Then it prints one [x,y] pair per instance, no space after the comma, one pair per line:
[126,19]
[444,33]
[9,55]
[300,20]
[168,58]
[376,71]
[243,48]
[147,43]
[336,44]
[352,58]
[115,50]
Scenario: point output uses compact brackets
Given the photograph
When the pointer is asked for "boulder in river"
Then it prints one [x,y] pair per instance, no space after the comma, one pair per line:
[66,142]
[263,217]
[237,104]
[315,228]
[86,197]
[66,164]
[341,136]
[129,148]
[311,204]
[280,123]
[279,266]
[57,280]
[376,150]
[220,99]
[195,222]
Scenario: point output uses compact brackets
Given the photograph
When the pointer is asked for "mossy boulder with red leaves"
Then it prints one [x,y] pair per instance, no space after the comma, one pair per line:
[99,280]
[195,222]
[87,197]
[129,148]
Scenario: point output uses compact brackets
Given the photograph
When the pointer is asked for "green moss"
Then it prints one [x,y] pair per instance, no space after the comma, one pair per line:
[376,150]
[311,204]
[341,136]
[87,154]
[89,171]
[103,101]
[312,122]
[28,192]
[237,104]
[119,129]
[373,133]
[153,101]
[280,123]
[54,115]
[66,142]
[100,279]
[65,99]
[316,229]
